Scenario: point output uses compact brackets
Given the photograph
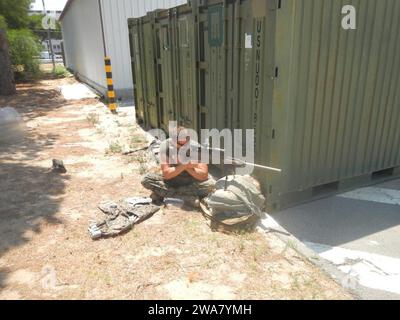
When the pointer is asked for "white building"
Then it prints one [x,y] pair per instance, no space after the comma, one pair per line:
[82,22]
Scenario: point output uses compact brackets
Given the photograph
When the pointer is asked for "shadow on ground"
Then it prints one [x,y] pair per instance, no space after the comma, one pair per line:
[338,221]
[33,99]
[30,195]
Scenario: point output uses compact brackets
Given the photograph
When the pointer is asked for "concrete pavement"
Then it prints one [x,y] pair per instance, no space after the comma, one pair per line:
[358,232]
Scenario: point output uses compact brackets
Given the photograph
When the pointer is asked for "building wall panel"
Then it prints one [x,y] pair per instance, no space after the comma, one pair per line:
[115,15]
[84,45]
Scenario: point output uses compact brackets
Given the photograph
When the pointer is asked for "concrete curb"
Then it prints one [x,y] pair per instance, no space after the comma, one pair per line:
[269,225]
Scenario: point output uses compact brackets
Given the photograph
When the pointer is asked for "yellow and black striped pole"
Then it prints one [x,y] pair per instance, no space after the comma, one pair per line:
[110,86]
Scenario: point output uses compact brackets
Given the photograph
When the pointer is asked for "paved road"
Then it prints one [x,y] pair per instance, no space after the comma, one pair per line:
[358,232]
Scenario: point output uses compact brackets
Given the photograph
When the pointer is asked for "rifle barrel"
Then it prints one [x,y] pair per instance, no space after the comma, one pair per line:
[241,161]
[263,167]
[256,165]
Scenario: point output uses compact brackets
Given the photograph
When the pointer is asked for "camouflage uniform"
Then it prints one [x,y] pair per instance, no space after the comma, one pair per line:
[165,189]
[122,216]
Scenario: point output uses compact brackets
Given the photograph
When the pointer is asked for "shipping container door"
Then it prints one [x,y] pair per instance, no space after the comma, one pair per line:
[213,68]
[137,72]
[187,72]
[165,74]
[150,75]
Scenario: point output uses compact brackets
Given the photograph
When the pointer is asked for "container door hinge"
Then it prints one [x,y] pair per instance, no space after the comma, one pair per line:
[275,73]
[273,134]
[279,6]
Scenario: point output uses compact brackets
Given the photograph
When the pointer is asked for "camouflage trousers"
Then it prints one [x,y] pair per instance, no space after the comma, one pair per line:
[156,183]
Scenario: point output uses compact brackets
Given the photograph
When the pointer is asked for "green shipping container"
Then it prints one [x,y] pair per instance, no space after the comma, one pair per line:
[167,51]
[335,103]
[185,28]
[143,57]
[324,101]
[166,78]
[137,72]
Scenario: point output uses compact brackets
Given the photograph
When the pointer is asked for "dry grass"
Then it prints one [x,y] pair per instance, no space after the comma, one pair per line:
[45,250]
[93,118]
[114,148]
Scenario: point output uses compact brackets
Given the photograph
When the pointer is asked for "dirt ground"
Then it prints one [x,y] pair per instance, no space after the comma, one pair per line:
[46,251]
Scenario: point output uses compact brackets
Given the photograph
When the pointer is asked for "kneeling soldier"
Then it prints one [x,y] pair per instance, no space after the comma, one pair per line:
[189,181]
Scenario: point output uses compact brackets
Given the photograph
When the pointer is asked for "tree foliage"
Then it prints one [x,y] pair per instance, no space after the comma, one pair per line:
[24,49]
[3,23]
[15,12]
[25,33]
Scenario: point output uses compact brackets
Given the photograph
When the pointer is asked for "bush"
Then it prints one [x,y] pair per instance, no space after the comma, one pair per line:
[61,72]
[25,49]
[3,23]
